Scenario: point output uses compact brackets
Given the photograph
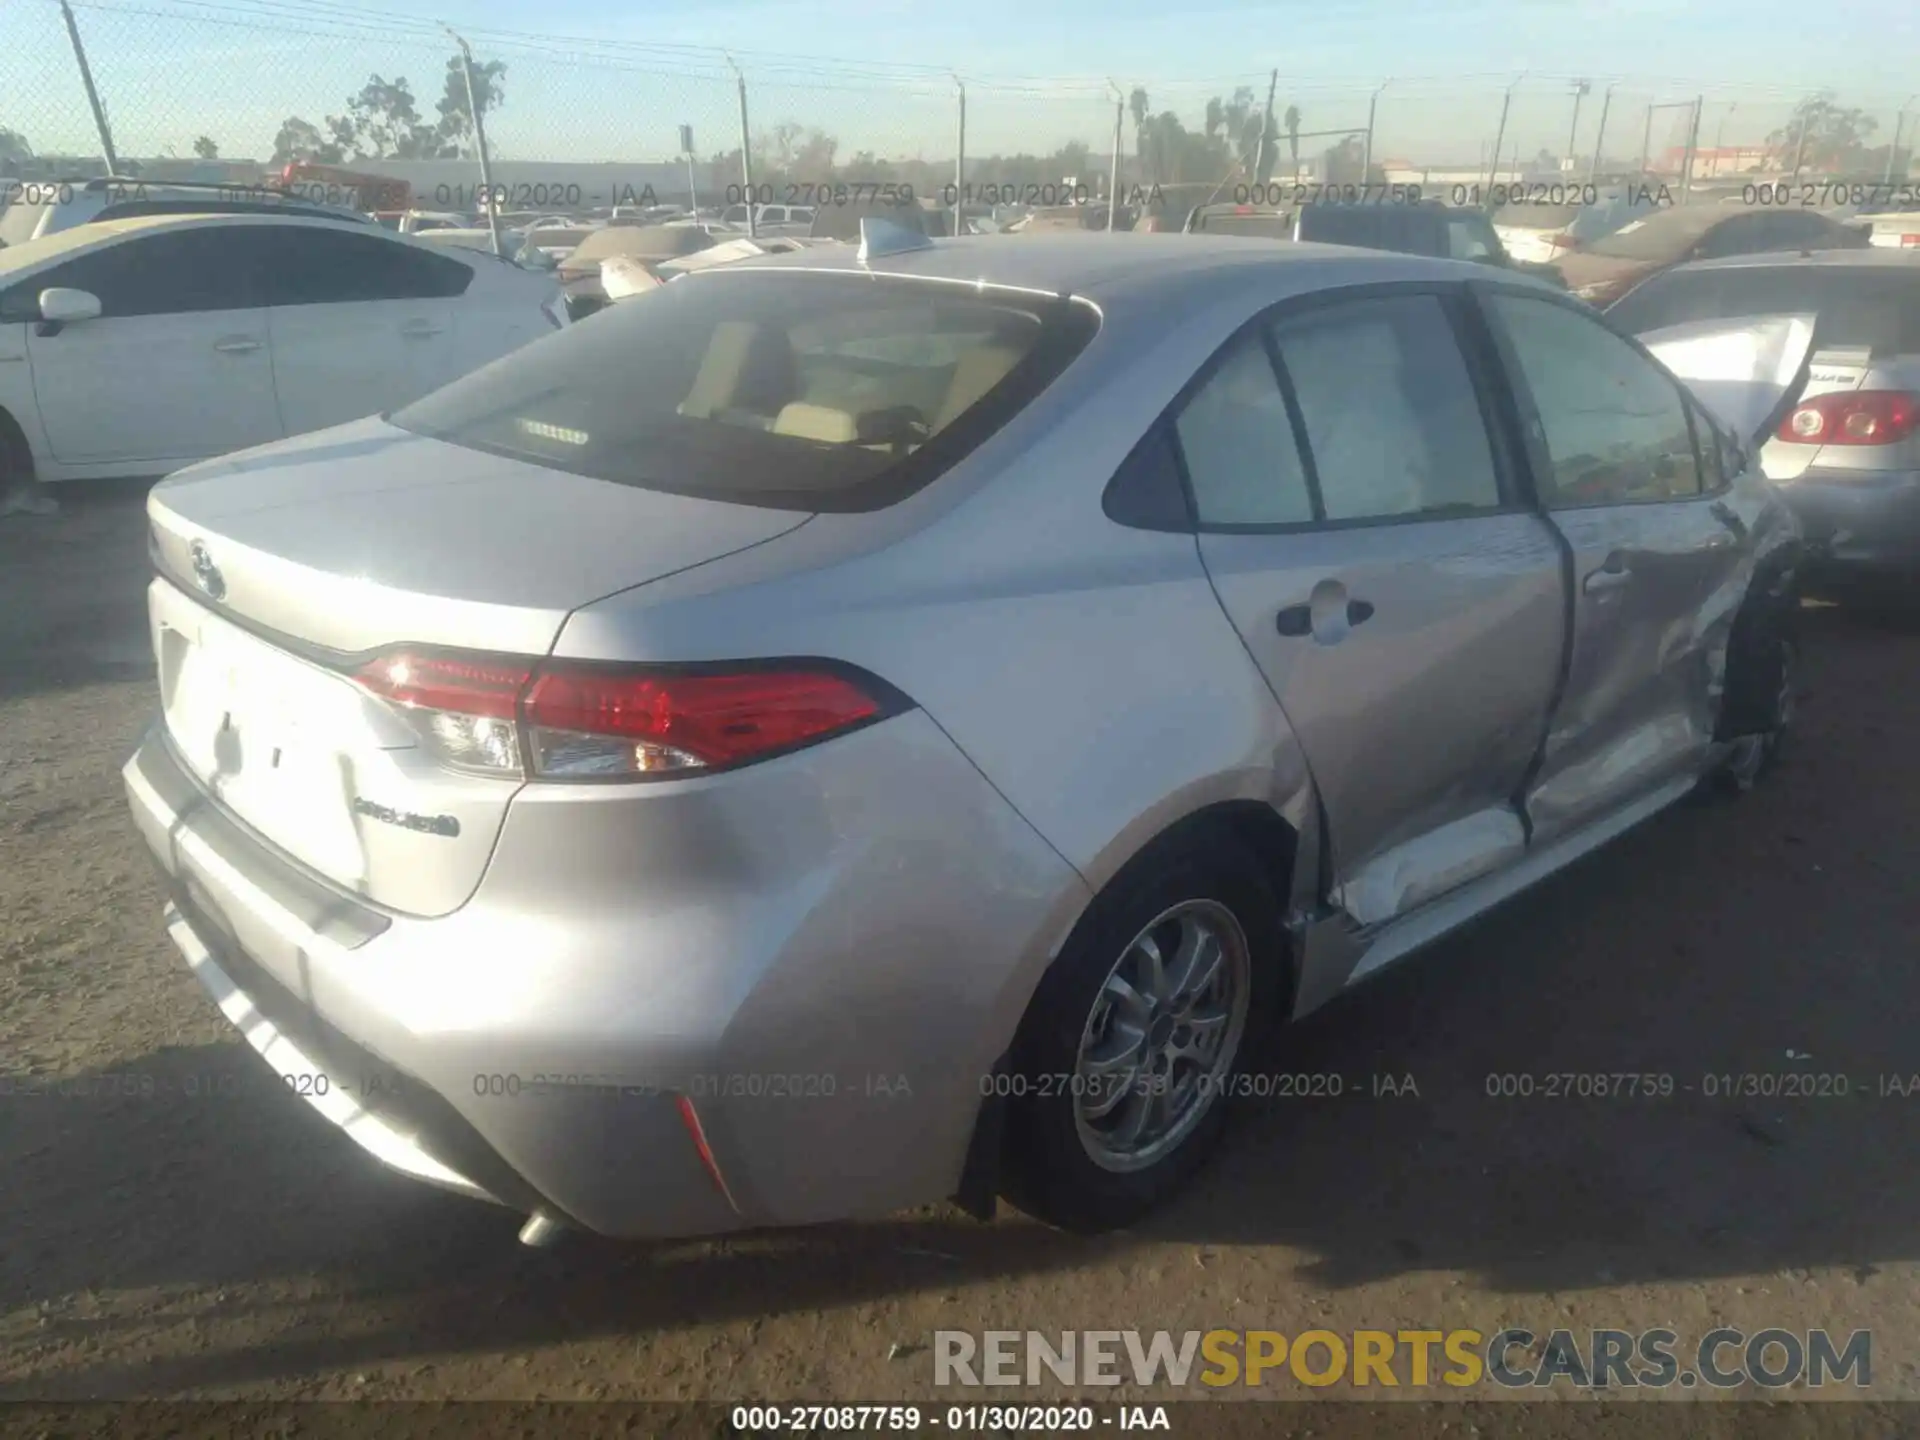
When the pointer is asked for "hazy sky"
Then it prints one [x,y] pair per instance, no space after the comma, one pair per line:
[873,74]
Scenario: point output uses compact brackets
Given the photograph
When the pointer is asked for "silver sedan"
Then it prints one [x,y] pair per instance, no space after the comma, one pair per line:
[845,731]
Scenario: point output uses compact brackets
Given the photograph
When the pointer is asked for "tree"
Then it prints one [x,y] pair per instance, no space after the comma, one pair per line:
[455,130]
[13,148]
[1823,136]
[301,140]
[1238,123]
[206,149]
[383,121]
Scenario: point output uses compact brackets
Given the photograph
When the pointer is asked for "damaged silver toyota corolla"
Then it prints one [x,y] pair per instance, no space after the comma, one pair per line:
[845,731]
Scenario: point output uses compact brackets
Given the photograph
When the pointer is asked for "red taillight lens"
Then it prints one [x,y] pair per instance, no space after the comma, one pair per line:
[586,721]
[462,706]
[1858,417]
[469,685]
[594,721]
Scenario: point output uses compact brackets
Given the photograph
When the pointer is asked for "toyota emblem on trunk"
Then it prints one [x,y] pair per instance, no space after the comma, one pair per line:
[206,572]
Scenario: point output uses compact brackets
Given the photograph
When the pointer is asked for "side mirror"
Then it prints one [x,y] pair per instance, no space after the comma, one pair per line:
[60,307]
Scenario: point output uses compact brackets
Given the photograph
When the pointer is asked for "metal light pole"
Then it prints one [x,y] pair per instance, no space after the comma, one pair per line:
[746,154]
[1800,140]
[1119,118]
[960,161]
[1581,88]
[1646,143]
[1263,157]
[1373,107]
[693,188]
[1720,134]
[1599,139]
[1693,148]
[1893,146]
[480,143]
[1500,135]
[93,95]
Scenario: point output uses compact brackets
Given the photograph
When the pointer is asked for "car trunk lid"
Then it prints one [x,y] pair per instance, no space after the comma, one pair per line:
[283,568]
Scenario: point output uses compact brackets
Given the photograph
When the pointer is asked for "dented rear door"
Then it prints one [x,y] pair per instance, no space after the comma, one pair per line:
[1629,470]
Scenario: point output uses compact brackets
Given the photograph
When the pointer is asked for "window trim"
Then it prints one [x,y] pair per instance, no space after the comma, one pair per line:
[1538,460]
[1484,381]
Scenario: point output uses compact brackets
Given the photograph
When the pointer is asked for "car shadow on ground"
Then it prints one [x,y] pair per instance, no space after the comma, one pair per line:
[1768,936]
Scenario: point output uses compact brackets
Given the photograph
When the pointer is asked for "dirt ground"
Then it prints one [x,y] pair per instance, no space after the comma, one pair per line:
[239,1247]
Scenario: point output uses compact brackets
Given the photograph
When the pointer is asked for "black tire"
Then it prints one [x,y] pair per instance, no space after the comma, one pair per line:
[1050,1171]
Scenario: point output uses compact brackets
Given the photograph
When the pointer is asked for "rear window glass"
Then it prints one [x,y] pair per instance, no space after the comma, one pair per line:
[1229,222]
[1377,227]
[1865,306]
[794,390]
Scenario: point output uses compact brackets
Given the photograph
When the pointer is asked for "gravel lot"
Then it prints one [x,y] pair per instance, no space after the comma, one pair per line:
[239,1247]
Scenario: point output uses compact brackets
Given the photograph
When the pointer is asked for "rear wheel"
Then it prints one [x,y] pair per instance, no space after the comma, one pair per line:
[20,492]
[1127,1054]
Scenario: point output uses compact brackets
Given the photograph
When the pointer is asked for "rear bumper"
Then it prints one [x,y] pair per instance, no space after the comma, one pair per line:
[1857,522]
[824,984]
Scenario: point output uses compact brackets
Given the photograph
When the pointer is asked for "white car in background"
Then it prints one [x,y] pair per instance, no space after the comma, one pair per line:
[767,220]
[133,347]
[1892,229]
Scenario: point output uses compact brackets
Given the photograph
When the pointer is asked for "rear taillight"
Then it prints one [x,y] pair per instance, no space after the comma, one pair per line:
[463,707]
[566,721]
[1562,242]
[1858,417]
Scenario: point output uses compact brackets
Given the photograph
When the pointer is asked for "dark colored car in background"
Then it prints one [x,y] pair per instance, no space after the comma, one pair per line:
[1447,232]
[1614,264]
[1847,456]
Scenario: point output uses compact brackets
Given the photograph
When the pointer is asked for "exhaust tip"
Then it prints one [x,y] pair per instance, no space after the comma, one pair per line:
[541,1231]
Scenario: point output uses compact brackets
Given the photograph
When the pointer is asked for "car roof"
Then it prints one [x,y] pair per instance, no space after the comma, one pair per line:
[1132,267]
[1876,257]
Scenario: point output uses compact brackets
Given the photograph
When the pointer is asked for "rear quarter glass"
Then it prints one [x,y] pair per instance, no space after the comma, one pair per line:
[791,390]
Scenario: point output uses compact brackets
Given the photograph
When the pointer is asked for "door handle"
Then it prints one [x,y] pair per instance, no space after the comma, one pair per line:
[236,345]
[420,329]
[1297,620]
[1611,575]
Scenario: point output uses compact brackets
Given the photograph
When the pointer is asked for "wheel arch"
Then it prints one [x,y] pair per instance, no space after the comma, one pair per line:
[1275,843]
[16,452]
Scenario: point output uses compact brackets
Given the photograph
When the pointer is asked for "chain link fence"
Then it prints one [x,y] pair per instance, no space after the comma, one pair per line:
[233,91]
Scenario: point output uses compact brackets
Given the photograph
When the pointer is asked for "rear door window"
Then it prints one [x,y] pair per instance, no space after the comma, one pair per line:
[1412,440]
[314,266]
[1615,425]
[797,390]
[1238,442]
